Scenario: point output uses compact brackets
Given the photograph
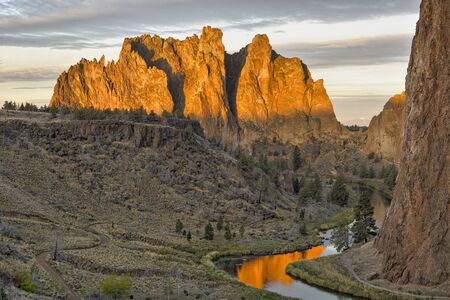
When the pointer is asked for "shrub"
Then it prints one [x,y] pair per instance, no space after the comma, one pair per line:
[209,232]
[178,226]
[339,194]
[25,282]
[296,158]
[116,287]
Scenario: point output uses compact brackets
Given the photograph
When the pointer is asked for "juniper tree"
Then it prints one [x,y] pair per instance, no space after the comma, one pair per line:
[364,226]
[209,232]
[178,226]
[227,232]
[296,158]
[189,236]
[242,231]
[296,185]
[220,224]
[339,194]
[317,187]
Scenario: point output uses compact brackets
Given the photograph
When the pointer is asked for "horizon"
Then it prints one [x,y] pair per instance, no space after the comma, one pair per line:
[360,49]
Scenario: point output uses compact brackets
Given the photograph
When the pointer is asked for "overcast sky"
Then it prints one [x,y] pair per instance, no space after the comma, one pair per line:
[359,47]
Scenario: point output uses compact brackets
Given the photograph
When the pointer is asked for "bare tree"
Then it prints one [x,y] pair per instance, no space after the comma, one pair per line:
[58,244]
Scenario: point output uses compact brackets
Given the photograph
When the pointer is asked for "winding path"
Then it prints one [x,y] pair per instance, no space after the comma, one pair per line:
[41,258]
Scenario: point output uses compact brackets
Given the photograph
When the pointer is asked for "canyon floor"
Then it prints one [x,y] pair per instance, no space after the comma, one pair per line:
[81,200]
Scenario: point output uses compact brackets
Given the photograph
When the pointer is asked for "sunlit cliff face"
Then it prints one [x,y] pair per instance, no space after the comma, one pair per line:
[261,270]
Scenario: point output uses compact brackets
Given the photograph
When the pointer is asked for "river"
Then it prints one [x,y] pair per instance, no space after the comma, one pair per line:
[268,272]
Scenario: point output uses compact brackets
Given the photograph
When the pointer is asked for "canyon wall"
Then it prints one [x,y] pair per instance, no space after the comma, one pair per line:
[415,238]
[384,136]
[245,94]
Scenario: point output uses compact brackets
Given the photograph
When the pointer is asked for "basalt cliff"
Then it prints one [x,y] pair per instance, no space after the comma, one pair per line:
[415,238]
[246,96]
[384,136]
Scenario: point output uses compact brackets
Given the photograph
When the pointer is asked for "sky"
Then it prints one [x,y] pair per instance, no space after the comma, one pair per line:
[359,47]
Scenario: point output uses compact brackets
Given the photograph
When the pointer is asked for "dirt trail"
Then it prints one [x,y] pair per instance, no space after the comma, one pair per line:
[41,258]
[348,265]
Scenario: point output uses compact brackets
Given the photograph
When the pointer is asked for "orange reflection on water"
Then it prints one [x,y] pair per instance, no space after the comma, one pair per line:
[256,272]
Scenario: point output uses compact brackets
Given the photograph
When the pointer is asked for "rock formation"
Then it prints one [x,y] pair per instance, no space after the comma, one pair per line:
[415,238]
[195,77]
[385,132]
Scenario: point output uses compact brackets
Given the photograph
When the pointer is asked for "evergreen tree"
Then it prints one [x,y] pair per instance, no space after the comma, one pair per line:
[302,214]
[302,228]
[53,110]
[209,232]
[227,232]
[189,236]
[220,224]
[364,226]
[178,226]
[339,194]
[371,173]
[341,237]
[296,185]
[317,188]
[296,158]
[363,172]
[242,231]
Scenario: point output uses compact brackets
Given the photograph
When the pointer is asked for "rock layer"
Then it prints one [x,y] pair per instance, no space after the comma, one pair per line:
[196,78]
[415,238]
[384,136]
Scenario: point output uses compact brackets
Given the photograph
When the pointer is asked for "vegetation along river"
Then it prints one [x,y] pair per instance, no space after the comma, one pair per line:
[268,272]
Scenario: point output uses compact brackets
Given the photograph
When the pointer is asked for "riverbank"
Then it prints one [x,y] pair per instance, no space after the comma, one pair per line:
[355,272]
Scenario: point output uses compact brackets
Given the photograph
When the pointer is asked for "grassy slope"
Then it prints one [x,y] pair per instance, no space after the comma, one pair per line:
[328,273]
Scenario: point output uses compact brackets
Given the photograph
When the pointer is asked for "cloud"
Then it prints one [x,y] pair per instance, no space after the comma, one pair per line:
[30,74]
[363,51]
[32,88]
[85,23]
[55,41]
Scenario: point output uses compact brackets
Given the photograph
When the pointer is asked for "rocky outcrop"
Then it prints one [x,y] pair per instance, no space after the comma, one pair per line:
[384,136]
[415,238]
[196,78]
[276,97]
[108,131]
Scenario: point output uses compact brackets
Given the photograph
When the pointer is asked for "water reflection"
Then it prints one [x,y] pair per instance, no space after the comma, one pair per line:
[380,207]
[261,270]
[268,272]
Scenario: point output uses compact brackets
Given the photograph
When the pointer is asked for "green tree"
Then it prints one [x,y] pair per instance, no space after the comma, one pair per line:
[371,172]
[26,283]
[219,225]
[116,287]
[53,110]
[189,236]
[317,187]
[302,228]
[339,194]
[242,231]
[228,235]
[302,214]
[296,158]
[341,237]
[363,172]
[364,226]
[178,226]
[209,232]
[296,185]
